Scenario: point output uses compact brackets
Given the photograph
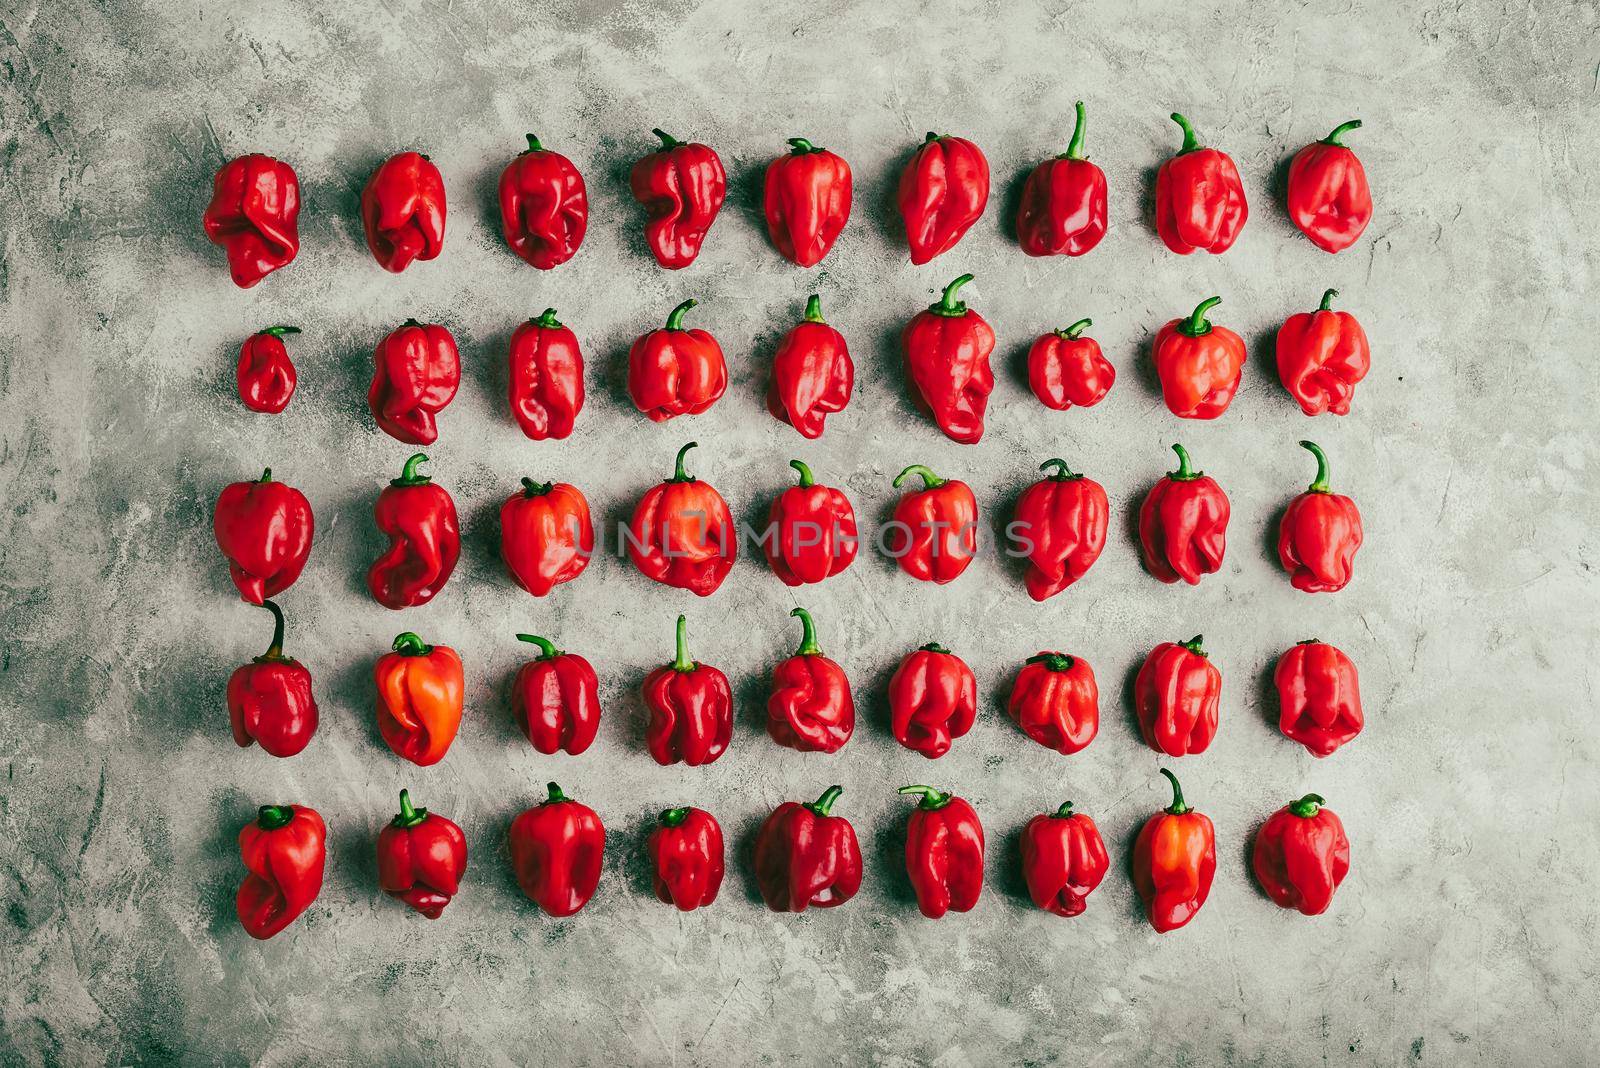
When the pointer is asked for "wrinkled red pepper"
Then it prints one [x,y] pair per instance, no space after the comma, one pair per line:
[556,699]
[1063,210]
[1328,195]
[691,709]
[682,186]
[420,690]
[264,530]
[285,849]
[1198,363]
[946,349]
[421,858]
[403,210]
[1174,860]
[1319,697]
[810,709]
[556,850]
[544,206]
[265,374]
[934,535]
[933,700]
[1319,534]
[1065,368]
[1060,527]
[686,858]
[1176,696]
[254,215]
[1301,855]
[1200,201]
[943,191]
[812,373]
[1056,702]
[1321,357]
[1183,524]
[1063,860]
[811,531]
[424,539]
[416,374]
[546,380]
[546,535]
[807,856]
[673,371]
[807,201]
[682,533]
[944,852]
[269,699]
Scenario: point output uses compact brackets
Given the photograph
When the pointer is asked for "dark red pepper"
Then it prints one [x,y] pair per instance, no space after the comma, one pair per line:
[1200,200]
[556,850]
[1174,861]
[1065,367]
[1319,534]
[417,371]
[269,699]
[265,374]
[810,709]
[424,539]
[811,531]
[1319,697]
[546,535]
[264,530]
[556,699]
[933,699]
[812,373]
[682,187]
[544,206]
[1176,696]
[254,215]
[691,709]
[807,201]
[944,852]
[943,191]
[1198,363]
[1183,524]
[546,380]
[1321,357]
[673,371]
[934,535]
[421,858]
[1063,860]
[1328,195]
[686,858]
[1060,527]
[807,856]
[403,210]
[285,849]
[1301,855]
[682,533]
[1063,210]
[1056,701]
[946,349]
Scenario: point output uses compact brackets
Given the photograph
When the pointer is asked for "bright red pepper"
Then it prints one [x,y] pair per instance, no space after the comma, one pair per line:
[269,699]
[556,699]
[1183,524]
[812,373]
[403,210]
[807,201]
[1176,695]
[424,539]
[943,191]
[421,858]
[420,690]
[1321,357]
[254,215]
[556,850]
[544,206]
[546,380]
[1319,697]
[1061,524]
[1056,702]
[546,535]
[1328,195]
[265,374]
[285,849]
[810,709]
[686,858]
[1066,368]
[1063,860]
[807,856]
[1301,855]
[811,531]
[1319,534]
[944,852]
[682,533]
[933,699]
[417,371]
[1198,363]
[691,709]
[934,535]
[1174,860]
[682,187]
[946,349]
[1200,200]
[264,530]
[1063,210]
[673,371]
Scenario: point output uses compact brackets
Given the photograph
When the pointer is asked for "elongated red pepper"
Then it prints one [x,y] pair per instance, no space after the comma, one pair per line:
[1174,860]
[1319,534]
[1183,524]
[682,533]
[403,211]
[1321,357]
[686,858]
[424,539]
[546,380]
[1176,696]
[1066,367]
[264,530]
[811,531]
[1200,201]
[812,373]
[285,849]
[673,371]
[1063,210]
[1056,702]
[556,850]
[420,689]
[691,709]
[1301,855]
[421,858]
[934,535]
[254,215]
[1063,860]
[544,206]
[810,709]
[269,699]
[946,349]
[556,699]
[682,186]
[416,374]
[933,699]
[943,191]
[1060,527]
[806,856]
[1319,697]
[1198,363]
[546,535]
[265,374]
[944,852]
[1329,199]
[807,201]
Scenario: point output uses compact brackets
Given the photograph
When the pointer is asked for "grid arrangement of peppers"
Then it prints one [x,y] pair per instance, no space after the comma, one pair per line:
[682,532]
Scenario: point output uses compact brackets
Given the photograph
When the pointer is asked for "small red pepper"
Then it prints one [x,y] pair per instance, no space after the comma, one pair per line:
[1176,695]
[556,850]
[1198,364]
[1321,357]
[264,530]
[1319,697]
[944,852]
[544,206]
[812,373]
[1319,534]
[254,215]
[1174,860]
[421,858]
[682,533]
[686,858]
[1063,210]
[1183,524]
[673,371]
[807,856]
[691,709]
[546,379]
[946,349]
[807,201]
[285,849]
[933,699]
[424,539]
[934,535]
[416,374]
[1060,526]
[682,187]
[1328,195]
[1056,702]
[1063,860]
[1301,855]
[546,535]
[943,191]
[265,374]
[1200,200]
[419,699]
[556,699]
[269,699]
[1066,368]
[810,709]
[403,210]
[811,531]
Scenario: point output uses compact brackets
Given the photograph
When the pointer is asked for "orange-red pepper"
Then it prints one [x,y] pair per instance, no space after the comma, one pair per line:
[806,856]
[264,530]
[421,858]
[1066,367]
[555,699]
[1301,855]
[812,373]
[546,379]
[1060,527]
[934,535]
[933,699]
[285,849]
[556,850]
[1174,860]
[807,201]
[403,211]
[946,348]
[424,539]
[1200,202]
[1329,199]
[1063,860]
[417,371]
[1183,524]
[1056,701]
[944,852]
[682,186]
[1176,697]
[673,371]
[1063,211]
[546,535]
[1198,364]
[269,699]
[265,374]
[1319,697]
[254,215]
[544,206]
[691,708]
[682,533]
[420,690]
[811,531]
[1319,534]
[1321,357]
[943,191]
[686,858]
[810,709]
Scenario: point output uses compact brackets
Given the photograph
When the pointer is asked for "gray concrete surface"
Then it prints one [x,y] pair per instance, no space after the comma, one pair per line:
[1466,931]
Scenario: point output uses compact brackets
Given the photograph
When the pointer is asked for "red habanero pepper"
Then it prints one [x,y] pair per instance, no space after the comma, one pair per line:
[943,191]
[269,699]
[1319,697]
[546,380]
[1056,702]
[934,535]
[1319,534]
[1301,855]
[417,371]
[673,371]
[946,348]
[546,535]
[1200,200]
[691,709]
[807,201]
[1067,368]
[1176,695]
[810,709]
[1328,195]
[933,699]
[686,858]
[1063,210]
[403,210]
[544,206]
[807,856]
[265,374]
[682,533]
[1174,860]
[264,530]
[1063,860]
[555,699]
[254,215]
[1183,524]
[944,852]
[421,858]
[556,850]
[811,531]
[1198,364]
[285,849]
[424,539]
[1061,519]
[419,699]
[682,186]
[812,373]
[1321,357]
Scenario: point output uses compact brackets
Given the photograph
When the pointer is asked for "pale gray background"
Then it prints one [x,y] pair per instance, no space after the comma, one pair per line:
[1466,931]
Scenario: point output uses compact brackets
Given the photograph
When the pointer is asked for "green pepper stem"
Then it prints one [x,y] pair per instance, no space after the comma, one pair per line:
[1307,806]
[935,647]
[814,309]
[1185,471]
[1075,146]
[1191,140]
[1327,300]
[409,816]
[931,138]
[1052,661]
[279,331]
[275,650]
[531,489]
[1320,485]
[801,146]
[547,320]
[411,322]
[1070,333]
[808,635]
[931,799]
[1196,325]
[408,644]
[533,145]
[948,305]
[266,475]
[1309,641]
[929,479]
[673,817]
[1062,473]
[1195,645]
[271,817]
[555,794]
[1065,811]
[678,473]
[675,319]
[1340,130]
[408,473]
[1177,808]
[681,663]
[667,140]
[823,805]
[547,648]
[806,478]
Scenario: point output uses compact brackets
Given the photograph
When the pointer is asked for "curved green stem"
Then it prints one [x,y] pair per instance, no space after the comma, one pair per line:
[533,145]
[266,475]
[929,479]
[675,319]
[808,636]
[1185,471]
[408,644]
[935,647]
[411,323]
[823,805]
[806,478]
[279,331]
[673,817]
[667,140]
[408,473]
[800,146]
[1195,645]
[814,309]
[547,320]
[275,650]
[1052,661]
[1191,140]
[1196,325]
[1063,473]
[271,817]
[1327,300]
[1340,130]
[531,489]
[1070,333]
[409,816]
[1065,811]
[1320,485]
[681,663]
[1075,146]
[931,799]
[547,648]
[1177,808]
[678,473]
[1307,806]
[931,138]
[555,794]
[948,305]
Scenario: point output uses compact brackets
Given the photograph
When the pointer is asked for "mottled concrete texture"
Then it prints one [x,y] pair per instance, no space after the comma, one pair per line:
[1466,931]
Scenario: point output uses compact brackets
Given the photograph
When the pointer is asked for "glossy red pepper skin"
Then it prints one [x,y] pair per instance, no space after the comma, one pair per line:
[285,849]
[556,699]
[812,531]
[943,191]
[419,518]
[1198,363]
[933,700]
[556,850]
[403,211]
[1319,534]
[1063,860]
[417,371]
[1066,367]
[673,371]
[1183,524]
[420,690]
[946,349]
[812,374]
[269,699]
[1329,199]
[807,201]
[811,709]
[1063,210]
[806,856]
[682,533]
[935,532]
[544,206]
[254,215]
[686,858]
[1174,861]
[691,709]
[1176,697]
[682,186]
[546,535]
[546,379]
[1321,357]
[1056,702]
[944,852]
[264,530]
[1060,525]
[1200,202]
[421,858]
[1319,697]
[1301,855]
[265,374]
